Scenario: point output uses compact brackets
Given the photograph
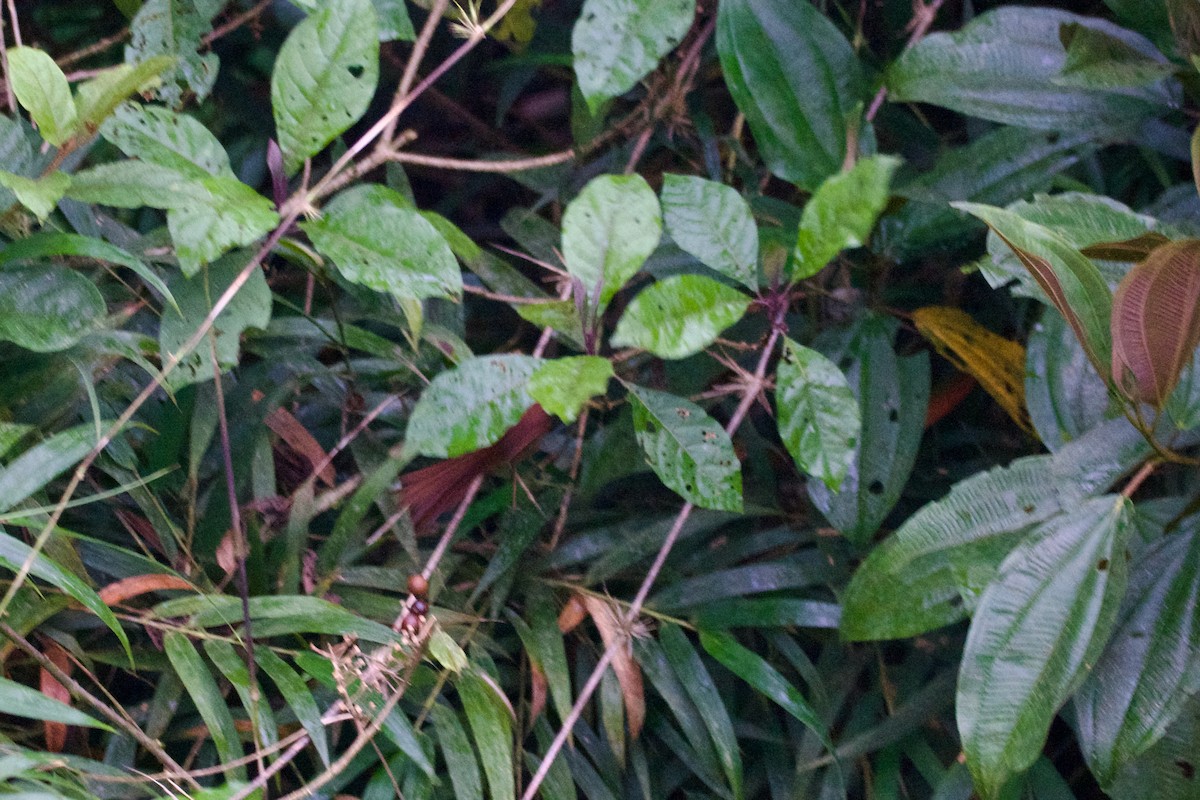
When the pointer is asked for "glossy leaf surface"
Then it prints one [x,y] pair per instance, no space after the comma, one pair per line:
[679,316]
[819,417]
[712,222]
[609,231]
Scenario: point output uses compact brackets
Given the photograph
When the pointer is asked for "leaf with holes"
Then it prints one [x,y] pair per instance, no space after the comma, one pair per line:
[1039,627]
[819,418]
[377,239]
[679,316]
[1156,322]
[712,222]
[471,406]
[170,29]
[691,454]
[608,232]
[324,78]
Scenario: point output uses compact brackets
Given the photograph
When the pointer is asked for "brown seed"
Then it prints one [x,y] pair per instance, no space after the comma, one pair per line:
[411,623]
[417,585]
[420,607]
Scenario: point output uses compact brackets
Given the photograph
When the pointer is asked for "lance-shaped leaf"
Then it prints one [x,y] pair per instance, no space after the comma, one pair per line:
[819,419]
[679,316]
[563,386]
[1152,665]
[841,214]
[1038,629]
[691,454]
[609,231]
[607,617]
[490,716]
[471,406]
[324,77]
[42,90]
[712,222]
[1069,279]
[20,700]
[1156,322]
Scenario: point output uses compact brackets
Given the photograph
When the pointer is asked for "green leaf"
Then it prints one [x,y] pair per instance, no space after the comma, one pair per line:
[471,406]
[39,195]
[133,184]
[616,43]
[691,454]
[1166,771]
[563,386]
[1143,681]
[16,153]
[491,726]
[1064,395]
[231,215]
[459,756]
[233,668]
[394,22]
[679,316]
[561,316]
[892,397]
[23,701]
[1003,67]
[44,462]
[700,687]
[819,418]
[324,78]
[712,222]
[1099,60]
[1068,277]
[96,98]
[841,214]
[42,89]
[609,231]
[204,693]
[446,652]
[171,29]
[1037,631]
[47,309]
[250,308]
[167,138]
[931,571]
[378,240]
[797,80]
[41,245]
[298,698]
[544,642]
[277,615]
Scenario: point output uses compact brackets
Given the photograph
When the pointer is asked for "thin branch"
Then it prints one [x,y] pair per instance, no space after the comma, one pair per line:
[444,543]
[92,49]
[420,46]
[483,165]
[235,23]
[9,97]
[923,17]
[16,23]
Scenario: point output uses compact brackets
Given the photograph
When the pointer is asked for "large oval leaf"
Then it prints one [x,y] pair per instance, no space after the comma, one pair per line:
[1064,395]
[1038,628]
[324,77]
[616,43]
[609,231]
[679,316]
[1152,665]
[712,222]
[42,89]
[819,418]
[797,80]
[471,406]
[1156,322]
[378,240]
[691,454]
[47,309]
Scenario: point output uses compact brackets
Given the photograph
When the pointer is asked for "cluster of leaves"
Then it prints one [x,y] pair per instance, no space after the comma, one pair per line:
[225,338]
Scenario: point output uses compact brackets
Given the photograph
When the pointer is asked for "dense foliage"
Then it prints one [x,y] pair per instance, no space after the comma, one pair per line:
[599,399]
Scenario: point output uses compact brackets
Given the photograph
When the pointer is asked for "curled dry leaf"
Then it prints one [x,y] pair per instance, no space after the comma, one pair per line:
[135,585]
[55,732]
[572,614]
[617,635]
[1156,322]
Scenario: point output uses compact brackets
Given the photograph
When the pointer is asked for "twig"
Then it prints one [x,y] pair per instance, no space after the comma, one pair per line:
[483,165]
[923,17]
[1136,481]
[9,97]
[16,23]
[444,543]
[92,49]
[420,46]
[234,23]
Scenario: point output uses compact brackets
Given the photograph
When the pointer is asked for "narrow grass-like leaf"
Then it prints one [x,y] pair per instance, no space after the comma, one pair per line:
[491,726]
[42,89]
[460,759]
[691,454]
[1036,632]
[819,418]
[276,615]
[203,690]
[608,232]
[22,701]
[712,222]
[679,316]
[324,78]
[253,699]
[298,698]
[544,643]
[44,462]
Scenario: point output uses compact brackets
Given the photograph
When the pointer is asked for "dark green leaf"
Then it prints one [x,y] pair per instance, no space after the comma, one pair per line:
[203,690]
[170,29]
[1099,60]
[456,749]
[1064,395]
[22,701]
[491,726]
[679,316]
[47,309]
[298,698]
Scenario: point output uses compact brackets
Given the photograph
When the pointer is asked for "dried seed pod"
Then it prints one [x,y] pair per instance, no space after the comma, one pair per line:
[417,585]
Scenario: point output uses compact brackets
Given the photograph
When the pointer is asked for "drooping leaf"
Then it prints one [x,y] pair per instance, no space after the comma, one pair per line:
[277,615]
[377,239]
[249,692]
[42,90]
[22,701]
[168,28]
[841,213]
[298,698]
[819,418]
[544,643]
[1069,279]
[1003,66]
[931,571]
[712,222]
[202,688]
[1037,630]
[563,386]
[797,80]
[1142,682]
[97,97]
[679,316]
[324,78]
[250,308]
[1168,770]
[691,454]
[609,230]
[491,725]
[892,397]
[1063,393]
[47,309]
[471,406]
[167,138]
[1156,322]
[616,43]
[459,756]
[997,363]
[606,615]
[39,195]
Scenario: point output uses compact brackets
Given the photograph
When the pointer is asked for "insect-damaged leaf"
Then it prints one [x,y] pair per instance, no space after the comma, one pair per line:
[1156,322]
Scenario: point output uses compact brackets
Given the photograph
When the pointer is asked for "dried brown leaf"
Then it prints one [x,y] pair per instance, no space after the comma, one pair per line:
[616,635]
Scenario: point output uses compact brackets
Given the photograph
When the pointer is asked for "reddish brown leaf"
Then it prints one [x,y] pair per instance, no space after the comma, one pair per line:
[135,585]
[538,688]
[572,614]
[55,732]
[629,674]
[1156,322]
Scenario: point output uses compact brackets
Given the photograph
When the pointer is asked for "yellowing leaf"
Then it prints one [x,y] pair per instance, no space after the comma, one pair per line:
[518,25]
[997,363]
